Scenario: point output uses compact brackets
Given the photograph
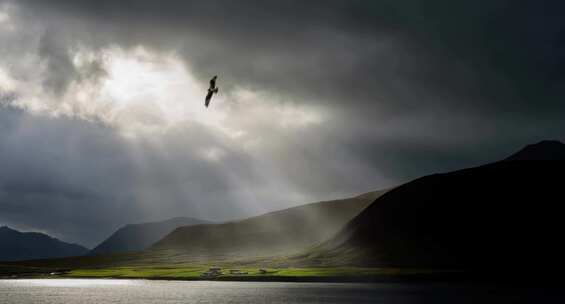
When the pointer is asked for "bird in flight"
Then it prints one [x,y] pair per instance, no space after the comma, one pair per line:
[211,91]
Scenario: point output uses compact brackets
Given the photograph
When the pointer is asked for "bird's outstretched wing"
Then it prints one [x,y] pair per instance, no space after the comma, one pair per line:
[211,91]
[208,97]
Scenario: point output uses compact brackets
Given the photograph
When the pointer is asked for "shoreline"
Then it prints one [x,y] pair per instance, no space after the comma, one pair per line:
[413,278]
[452,278]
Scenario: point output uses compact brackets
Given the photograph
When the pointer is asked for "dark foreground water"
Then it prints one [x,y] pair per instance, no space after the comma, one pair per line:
[141,292]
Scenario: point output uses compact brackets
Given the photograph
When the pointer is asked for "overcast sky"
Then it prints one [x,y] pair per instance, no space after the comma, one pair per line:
[102,120]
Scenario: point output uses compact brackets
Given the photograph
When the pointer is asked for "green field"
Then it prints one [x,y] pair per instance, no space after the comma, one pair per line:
[178,266]
[193,273]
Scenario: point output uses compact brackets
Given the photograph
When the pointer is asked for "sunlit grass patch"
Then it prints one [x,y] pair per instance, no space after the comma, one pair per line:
[245,272]
[134,272]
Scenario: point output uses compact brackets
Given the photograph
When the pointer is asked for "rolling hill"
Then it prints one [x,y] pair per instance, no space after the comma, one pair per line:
[138,237]
[16,245]
[544,150]
[276,233]
[505,215]
[273,235]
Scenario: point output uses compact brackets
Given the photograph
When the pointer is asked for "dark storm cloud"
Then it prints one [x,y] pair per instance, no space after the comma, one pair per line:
[7,97]
[402,55]
[61,69]
[412,87]
[39,186]
[369,61]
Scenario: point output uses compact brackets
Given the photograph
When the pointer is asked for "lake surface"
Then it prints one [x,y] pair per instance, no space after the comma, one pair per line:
[142,292]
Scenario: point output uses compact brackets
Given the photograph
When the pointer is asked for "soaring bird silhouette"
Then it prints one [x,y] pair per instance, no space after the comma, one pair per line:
[211,91]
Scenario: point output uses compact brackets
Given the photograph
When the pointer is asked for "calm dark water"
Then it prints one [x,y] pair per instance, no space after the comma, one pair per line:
[140,291]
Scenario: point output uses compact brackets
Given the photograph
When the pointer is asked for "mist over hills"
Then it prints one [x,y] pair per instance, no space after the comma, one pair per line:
[505,215]
[136,237]
[270,235]
[16,245]
[276,233]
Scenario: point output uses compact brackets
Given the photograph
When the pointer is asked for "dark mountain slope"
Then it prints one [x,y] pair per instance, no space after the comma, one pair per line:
[544,150]
[138,237]
[15,245]
[503,215]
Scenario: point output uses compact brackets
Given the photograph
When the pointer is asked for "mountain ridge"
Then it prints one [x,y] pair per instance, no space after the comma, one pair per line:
[16,245]
[136,237]
[500,215]
[543,150]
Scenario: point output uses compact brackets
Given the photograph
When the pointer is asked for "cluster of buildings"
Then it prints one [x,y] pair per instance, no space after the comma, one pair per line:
[214,272]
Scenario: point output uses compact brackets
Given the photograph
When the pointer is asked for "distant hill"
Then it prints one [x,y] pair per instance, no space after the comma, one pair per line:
[544,150]
[275,233]
[15,246]
[136,237]
[506,215]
